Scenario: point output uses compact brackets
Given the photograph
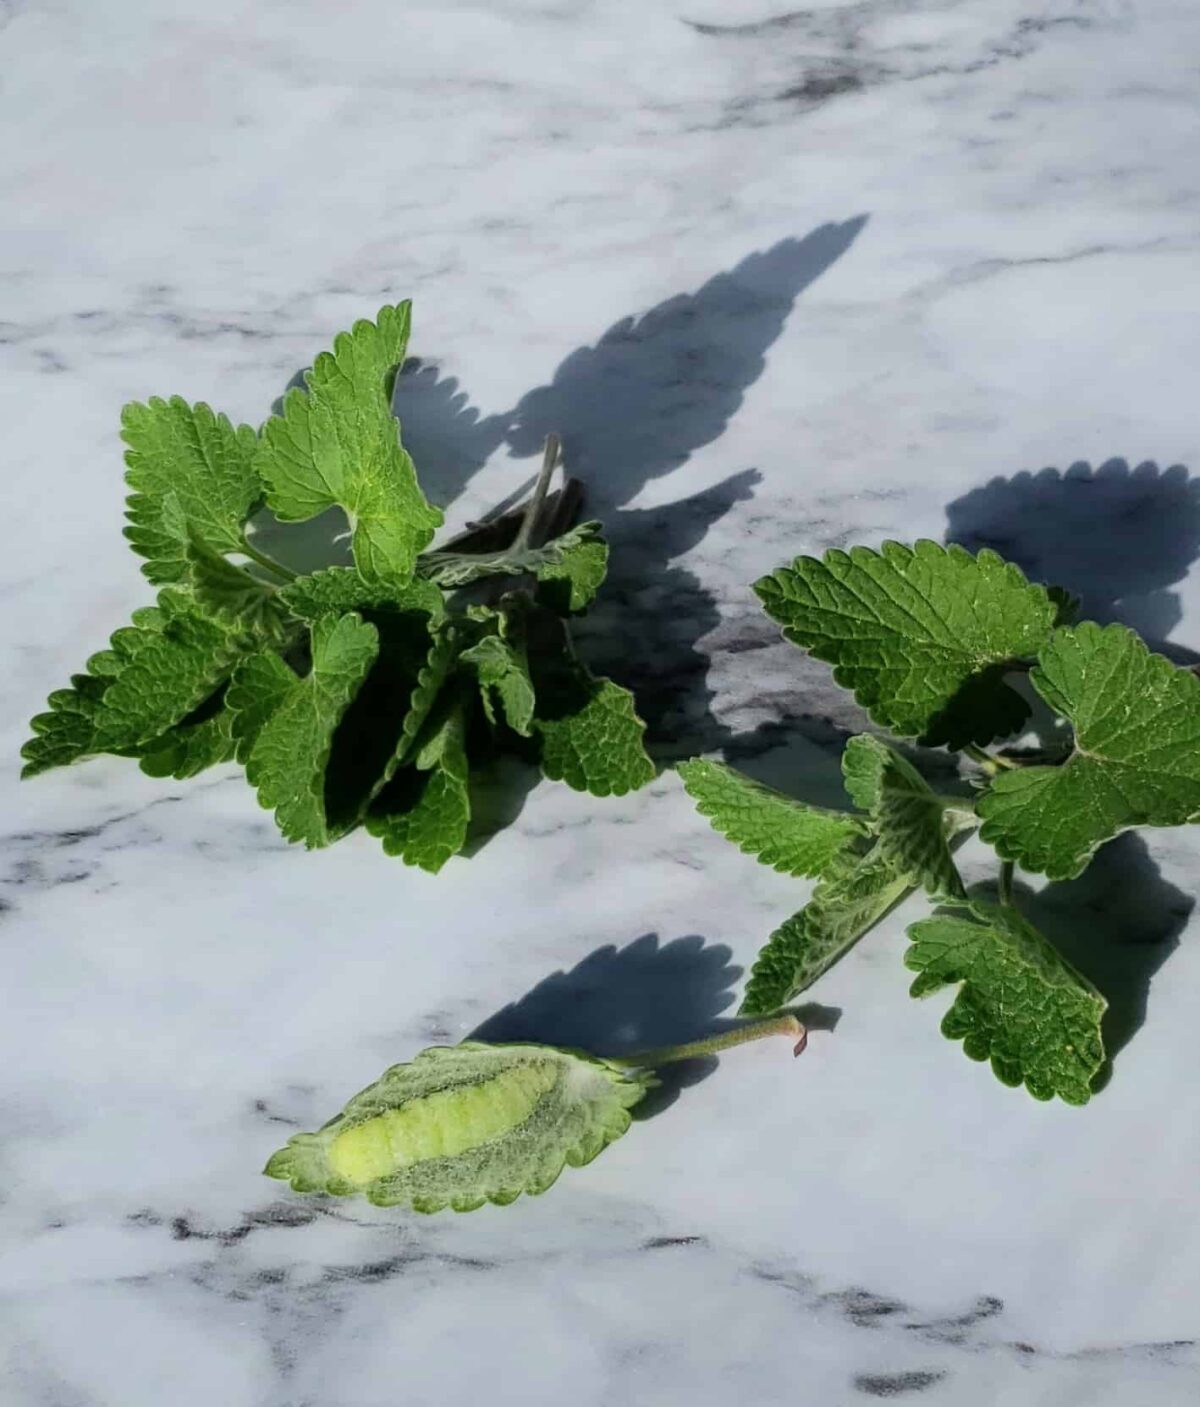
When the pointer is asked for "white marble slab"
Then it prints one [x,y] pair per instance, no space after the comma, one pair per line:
[784,280]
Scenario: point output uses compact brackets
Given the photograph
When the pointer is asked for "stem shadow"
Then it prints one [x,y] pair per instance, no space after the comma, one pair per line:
[618,1001]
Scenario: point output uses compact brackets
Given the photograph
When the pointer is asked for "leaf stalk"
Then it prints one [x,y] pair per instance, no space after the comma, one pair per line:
[785,1025]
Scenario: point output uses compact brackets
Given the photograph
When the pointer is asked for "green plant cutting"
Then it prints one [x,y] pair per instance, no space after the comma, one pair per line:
[367,694]
[352,695]
[929,639]
[462,1125]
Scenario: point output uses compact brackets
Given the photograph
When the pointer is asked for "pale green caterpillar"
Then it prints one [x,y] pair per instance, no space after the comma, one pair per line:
[463,1125]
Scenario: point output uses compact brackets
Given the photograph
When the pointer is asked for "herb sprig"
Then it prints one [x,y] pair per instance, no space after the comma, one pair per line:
[361,695]
[925,637]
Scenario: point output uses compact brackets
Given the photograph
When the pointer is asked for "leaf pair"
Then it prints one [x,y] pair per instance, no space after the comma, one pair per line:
[1020,1005]
[924,635]
[865,863]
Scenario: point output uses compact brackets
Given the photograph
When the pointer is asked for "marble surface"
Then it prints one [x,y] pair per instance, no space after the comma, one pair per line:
[784,279]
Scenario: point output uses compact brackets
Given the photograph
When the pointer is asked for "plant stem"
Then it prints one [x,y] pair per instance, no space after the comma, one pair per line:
[534,507]
[268,564]
[786,1025]
[989,761]
[1005,882]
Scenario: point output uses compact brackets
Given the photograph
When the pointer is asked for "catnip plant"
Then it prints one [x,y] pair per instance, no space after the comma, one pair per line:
[352,695]
[927,638]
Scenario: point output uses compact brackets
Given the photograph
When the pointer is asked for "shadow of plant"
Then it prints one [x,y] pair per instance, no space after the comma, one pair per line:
[630,408]
[1117,537]
[618,1001]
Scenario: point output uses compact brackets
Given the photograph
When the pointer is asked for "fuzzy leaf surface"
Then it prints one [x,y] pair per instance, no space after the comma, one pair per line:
[572,556]
[787,835]
[341,589]
[908,817]
[230,594]
[1020,1004]
[285,725]
[850,900]
[920,634]
[463,1125]
[1136,760]
[193,477]
[337,442]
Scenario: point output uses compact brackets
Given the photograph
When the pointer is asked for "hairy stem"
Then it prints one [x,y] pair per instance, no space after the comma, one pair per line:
[268,564]
[989,761]
[533,510]
[1004,885]
[786,1025]
[961,805]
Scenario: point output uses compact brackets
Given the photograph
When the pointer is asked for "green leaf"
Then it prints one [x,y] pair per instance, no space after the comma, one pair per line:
[193,477]
[432,676]
[65,732]
[201,741]
[570,584]
[787,835]
[591,736]
[463,1125]
[161,668]
[259,687]
[154,673]
[338,443]
[1136,760]
[909,819]
[1020,1004]
[851,899]
[502,668]
[285,726]
[423,814]
[908,629]
[340,589]
[598,748]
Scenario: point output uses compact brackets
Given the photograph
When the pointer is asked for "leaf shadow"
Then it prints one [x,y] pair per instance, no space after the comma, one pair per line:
[618,1001]
[1116,536]
[631,408]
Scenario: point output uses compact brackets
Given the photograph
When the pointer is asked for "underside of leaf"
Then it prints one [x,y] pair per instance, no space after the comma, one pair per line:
[787,835]
[846,904]
[464,1125]
[908,817]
